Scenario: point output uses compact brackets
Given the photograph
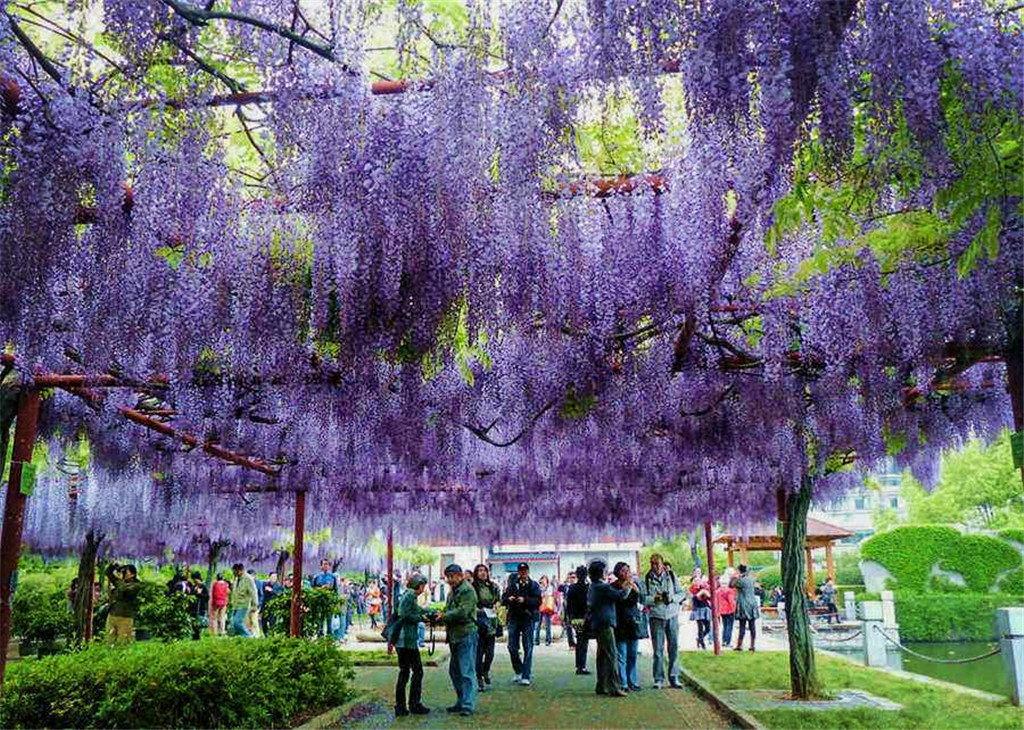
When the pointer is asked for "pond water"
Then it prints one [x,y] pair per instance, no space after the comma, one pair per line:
[986,674]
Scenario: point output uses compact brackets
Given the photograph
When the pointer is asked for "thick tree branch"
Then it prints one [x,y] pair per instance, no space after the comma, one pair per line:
[201,16]
[33,50]
[482,432]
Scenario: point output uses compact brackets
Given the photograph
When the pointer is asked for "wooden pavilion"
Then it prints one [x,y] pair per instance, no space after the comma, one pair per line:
[765,536]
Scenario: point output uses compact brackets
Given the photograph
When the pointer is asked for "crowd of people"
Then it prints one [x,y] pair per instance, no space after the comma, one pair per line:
[613,610]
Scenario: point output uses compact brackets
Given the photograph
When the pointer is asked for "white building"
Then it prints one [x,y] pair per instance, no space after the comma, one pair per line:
[550,559]
[856,510]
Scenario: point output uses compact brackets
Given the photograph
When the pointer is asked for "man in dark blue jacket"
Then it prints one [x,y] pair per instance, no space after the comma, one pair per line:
[522,598]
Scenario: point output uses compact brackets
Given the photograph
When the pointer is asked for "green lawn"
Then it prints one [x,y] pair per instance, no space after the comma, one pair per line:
[924,706]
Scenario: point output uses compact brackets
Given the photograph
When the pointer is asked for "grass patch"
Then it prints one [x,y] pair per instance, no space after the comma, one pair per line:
[924,706]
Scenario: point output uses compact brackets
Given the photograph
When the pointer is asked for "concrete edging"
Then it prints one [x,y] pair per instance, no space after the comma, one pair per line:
[741,718]
[334,716]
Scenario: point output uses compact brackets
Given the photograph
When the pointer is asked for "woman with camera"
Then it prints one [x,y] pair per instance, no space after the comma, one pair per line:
[488,595]
[627,627]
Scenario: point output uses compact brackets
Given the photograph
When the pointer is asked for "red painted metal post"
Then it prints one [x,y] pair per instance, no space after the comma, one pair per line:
[391,572]
[391,578]
[300,536]
[713,582]
[14,513]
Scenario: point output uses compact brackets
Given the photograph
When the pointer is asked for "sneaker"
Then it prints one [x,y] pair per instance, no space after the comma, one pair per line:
[583,671]
[659,685]
[525,681]
[487,679]
[516,678]
[420,710]
[480,686]
[401,712]
[466,713]
[453,709]
[674,684]
[635,689]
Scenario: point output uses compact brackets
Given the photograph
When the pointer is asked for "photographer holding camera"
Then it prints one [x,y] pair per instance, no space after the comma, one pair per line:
[660,592]
[124,602]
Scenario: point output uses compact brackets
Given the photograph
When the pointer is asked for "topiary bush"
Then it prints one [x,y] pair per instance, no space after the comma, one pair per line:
[910,552]
[956,617]
[1013,582]
[209,683]
[1017,535]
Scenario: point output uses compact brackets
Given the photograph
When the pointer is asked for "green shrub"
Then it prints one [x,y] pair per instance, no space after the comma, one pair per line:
[940,617]
[910,552]
[848,568]
[769,577]
[320,604]
[165,617]
[39,610]
[209,683]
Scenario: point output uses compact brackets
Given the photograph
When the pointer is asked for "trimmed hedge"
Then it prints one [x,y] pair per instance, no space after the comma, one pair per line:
[209,683]
[957,617]
[1012,534]
[910,552]
[1013,583]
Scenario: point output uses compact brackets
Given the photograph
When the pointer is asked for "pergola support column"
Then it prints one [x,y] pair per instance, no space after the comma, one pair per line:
[713,582]
[830,563]
[295,629]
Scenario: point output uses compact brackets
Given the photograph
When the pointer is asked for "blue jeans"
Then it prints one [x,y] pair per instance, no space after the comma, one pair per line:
[727,623]
[238,622]
[520,634]
[462,670]
[421,634]
[665,630]
[545,620]
[627,663]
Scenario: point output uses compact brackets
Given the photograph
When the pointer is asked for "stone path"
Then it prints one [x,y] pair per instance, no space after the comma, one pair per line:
[558,698]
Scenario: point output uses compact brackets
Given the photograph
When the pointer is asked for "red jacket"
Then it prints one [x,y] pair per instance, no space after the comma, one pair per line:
[726,600]
[220,594]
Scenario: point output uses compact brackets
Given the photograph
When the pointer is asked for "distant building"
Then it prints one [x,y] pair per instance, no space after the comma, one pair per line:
[552,560]
[856,510]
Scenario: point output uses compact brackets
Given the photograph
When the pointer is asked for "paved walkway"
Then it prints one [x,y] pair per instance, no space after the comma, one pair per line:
[558,698]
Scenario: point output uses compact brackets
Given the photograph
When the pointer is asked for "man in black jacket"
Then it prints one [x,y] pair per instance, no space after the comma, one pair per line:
[522,598]
[575,612]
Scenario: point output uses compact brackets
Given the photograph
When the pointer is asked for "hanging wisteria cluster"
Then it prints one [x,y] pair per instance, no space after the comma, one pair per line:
[424,310]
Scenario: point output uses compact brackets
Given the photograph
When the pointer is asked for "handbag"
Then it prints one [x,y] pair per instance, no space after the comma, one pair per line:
[643,626]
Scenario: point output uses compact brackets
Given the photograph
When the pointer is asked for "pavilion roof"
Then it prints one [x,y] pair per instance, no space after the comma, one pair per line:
[817,530]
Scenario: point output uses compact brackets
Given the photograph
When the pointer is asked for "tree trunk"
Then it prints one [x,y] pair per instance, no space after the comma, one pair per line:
[211,562]
[803,677]
[86,577]
[282,562]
